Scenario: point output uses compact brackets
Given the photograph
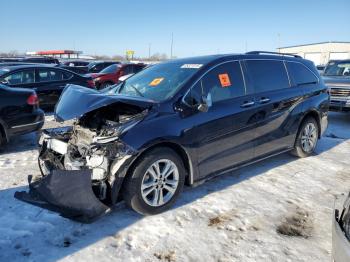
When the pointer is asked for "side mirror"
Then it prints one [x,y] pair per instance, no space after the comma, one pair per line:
[4,82]
[205,104]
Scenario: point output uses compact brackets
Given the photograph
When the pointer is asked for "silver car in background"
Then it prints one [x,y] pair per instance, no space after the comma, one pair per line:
[341,233]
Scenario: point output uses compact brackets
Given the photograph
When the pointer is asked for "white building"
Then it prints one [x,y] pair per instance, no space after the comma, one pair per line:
[320,53]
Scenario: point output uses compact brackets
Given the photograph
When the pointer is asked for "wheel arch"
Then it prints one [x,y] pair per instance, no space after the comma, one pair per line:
[3,130]
[179,150]
[118,180]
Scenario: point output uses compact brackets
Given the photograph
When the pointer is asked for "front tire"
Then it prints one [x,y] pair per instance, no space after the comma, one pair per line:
[3,139]
[155,182]
[307,138]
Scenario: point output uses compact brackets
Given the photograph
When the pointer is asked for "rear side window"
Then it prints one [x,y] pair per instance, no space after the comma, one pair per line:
[46,75]
[300,74]
[67,75]
[223,82]
[267,75]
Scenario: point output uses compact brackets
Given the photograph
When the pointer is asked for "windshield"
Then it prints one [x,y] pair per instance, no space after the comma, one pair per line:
[110,69]
[337,69]
[158,82]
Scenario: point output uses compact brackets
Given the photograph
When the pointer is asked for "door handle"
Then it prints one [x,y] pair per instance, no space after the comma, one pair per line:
[248,104]
[264,100]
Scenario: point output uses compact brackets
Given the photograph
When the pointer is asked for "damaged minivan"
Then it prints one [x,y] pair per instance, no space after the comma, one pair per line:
[178,122]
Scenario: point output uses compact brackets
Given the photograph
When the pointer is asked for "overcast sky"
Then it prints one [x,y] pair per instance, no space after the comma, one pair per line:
[199,27]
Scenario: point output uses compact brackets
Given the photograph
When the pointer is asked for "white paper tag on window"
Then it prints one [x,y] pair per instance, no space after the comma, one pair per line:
[192,66]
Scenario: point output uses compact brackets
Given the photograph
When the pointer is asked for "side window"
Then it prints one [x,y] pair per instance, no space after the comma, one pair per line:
[223,82]
[267,75]
[300,74]
[97,68]
[44,75]
[21,77]
[67,75]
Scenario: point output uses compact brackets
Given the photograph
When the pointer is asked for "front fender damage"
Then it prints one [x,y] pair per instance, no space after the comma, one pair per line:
[68,192]
[82,166]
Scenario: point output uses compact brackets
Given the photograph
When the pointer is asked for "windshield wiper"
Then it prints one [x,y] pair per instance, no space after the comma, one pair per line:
[137,91]
[134,87]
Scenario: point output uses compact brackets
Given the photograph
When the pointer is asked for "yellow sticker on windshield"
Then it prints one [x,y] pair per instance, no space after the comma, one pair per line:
[156,81]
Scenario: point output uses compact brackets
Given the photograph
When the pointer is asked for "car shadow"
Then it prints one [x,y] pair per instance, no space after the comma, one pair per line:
[61,237]
[21,143]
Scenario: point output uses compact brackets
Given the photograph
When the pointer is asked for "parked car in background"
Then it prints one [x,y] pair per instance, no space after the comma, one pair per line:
[320,69]
[110,75]
[47,81]
[98,66]
[337,77]
[183,120]
[6,64]
[31,59]
[341,233]
[77,66]
[81,70]
[19,112]
[76,63]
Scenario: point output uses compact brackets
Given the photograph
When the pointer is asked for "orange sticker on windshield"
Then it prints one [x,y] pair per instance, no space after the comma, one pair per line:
[224,80]
[156,81]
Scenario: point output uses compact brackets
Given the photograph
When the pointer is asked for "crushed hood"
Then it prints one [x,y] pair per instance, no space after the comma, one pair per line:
[76,101]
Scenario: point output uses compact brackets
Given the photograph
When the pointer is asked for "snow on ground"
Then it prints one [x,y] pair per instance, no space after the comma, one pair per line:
[235,217]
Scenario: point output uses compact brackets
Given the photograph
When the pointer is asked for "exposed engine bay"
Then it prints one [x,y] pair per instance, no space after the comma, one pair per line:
[90,148]
[92,143]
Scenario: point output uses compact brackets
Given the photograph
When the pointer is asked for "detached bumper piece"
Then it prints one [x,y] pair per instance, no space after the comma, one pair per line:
[66,192]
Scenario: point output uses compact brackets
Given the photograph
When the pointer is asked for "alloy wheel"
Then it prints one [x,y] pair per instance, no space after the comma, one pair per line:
[309,137]
[160,182]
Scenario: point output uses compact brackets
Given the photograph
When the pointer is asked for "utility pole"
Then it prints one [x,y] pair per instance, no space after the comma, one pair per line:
[279,42]
[149,50]
[171,46]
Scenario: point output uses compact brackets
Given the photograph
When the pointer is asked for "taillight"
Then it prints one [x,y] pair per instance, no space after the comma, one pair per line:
[91,83]
[33,100]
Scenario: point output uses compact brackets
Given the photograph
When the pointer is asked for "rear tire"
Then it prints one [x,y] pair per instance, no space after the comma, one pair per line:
[307,138]
[154,182]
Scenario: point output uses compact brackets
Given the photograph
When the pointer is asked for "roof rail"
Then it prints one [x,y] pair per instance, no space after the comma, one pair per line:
[272,53]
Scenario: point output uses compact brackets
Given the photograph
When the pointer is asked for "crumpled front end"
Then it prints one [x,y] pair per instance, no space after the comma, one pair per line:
[78,163]
[67,192]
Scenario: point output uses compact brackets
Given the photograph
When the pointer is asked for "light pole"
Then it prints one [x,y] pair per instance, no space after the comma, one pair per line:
[171,46]
[149,51]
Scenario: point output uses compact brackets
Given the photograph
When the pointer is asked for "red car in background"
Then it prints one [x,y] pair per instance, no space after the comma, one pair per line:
[111,74]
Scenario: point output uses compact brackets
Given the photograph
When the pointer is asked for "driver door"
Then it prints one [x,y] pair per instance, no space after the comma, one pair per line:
[224,136]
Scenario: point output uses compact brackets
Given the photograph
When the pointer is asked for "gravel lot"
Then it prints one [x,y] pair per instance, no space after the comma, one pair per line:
[277,210]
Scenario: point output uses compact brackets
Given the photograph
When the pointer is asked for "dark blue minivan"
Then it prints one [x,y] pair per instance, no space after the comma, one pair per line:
[180,121]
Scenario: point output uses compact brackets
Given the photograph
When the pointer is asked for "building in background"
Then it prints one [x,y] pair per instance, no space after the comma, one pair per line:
[57,53]
[320,53]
